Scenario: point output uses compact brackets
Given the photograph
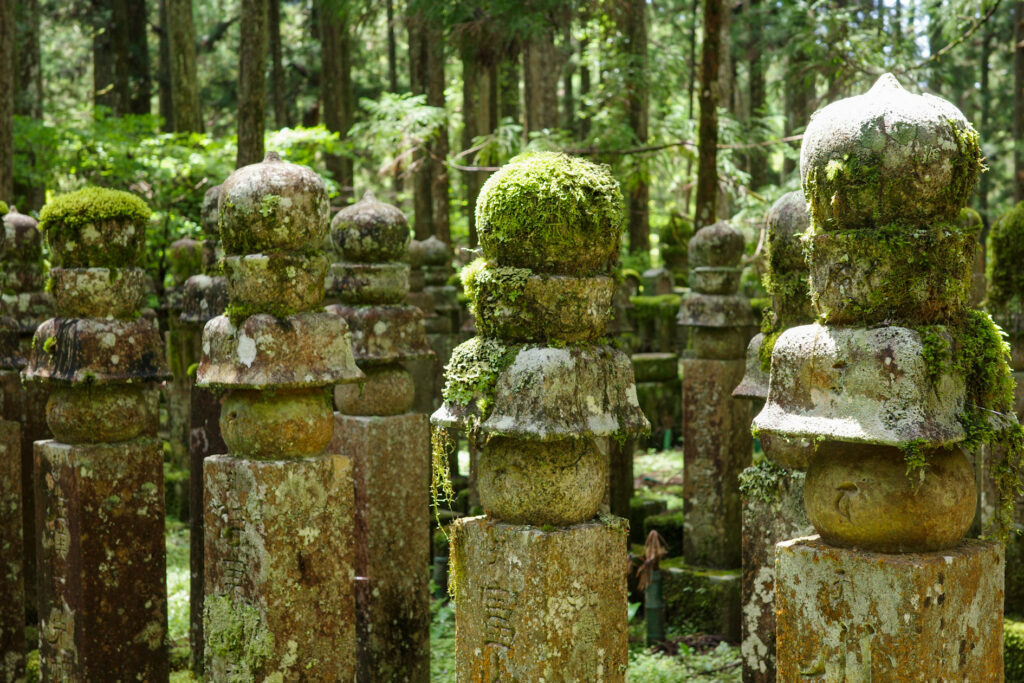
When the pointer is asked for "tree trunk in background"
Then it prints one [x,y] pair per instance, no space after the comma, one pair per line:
[336,87]
[252,57]
[540,81]
[135,34]
[634,30]
[163,72]
[392,49]
[983,124]
[726,80]
[106,91]
[1018,102]
[568,102]
[184,84]
[508,87]
[757,158]
[797,103]
[438,148]
[583,123]
[277,85]
[419,59]
[707,144]
[28,91]
[480,114]
[8,41]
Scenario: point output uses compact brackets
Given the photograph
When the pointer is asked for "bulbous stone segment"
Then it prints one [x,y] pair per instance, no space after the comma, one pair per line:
[773,511]
[386,390]
[540,605]
[184,259]
[279,569]
[384,334]
[276,284]
[755,380]
[858,385]
[542,482]
[100,514]
[371,231]
[204,297]
[275,425]
[369,284]
[22,239]
[786,277]
[877,276]
[110,243]
[12,586]
[298,351]
[716,246]
[714,310]
[716,447]
[103,413]
[98,292]
[888,156]
[515,305]
[855,615]
[76,350]
[712,280]
[272,206]
[862,496]
[390,455]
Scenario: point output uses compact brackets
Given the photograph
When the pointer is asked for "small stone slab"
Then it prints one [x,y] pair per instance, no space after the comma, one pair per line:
[853,615]
[12,586]
[98,292]
[368,283]
[723,280]
[204,297]
[755,380]
[715,310]
[384,334]
[275,282]
[75,350]
[279,601]
[301,350]
[539,605]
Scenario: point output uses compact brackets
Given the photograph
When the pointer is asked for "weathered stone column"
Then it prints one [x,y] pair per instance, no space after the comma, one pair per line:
[204,297]
[540,580]
[99,482]
[881,398]
[278,530]
[772,495]
[388,442]
[29,305]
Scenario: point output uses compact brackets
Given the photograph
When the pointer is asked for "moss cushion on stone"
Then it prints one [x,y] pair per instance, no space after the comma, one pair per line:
[95,227]
[551,213]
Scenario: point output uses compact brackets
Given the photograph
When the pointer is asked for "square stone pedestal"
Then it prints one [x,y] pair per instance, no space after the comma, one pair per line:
[848,615]
[279,599]
[102,561]
[12,586]
[391,471]
[535,605]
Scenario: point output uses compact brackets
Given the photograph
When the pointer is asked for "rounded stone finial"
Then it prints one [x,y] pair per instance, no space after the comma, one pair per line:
[371,231]
[717,247]
[551,213]
[886,157]
[95,227]
[435,252]
[272,205]
[184,259]
[210,211]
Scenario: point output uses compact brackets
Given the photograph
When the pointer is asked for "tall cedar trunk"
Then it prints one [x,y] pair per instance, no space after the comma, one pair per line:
[983,122]
[7,46]
[707,145]
[28,90]
[583,123]
[336,87]
[277,86]
[726,82]
[163,72]
[392,49]
[480,112]
[540,81]
[252,57]
[136,41]
[690,90]
[508,87]
[1018,103]
[757,158]
[797,102]
[184,84]
[568,103]
[106,92]
[637,105]
[422,204]
[438,148]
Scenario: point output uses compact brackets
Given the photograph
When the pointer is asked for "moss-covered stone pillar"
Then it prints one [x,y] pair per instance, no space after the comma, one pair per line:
[99,482]
[881,397]
[772,495]
[28,304]
[540,579]
[278,565]
[204,297]
[388,443]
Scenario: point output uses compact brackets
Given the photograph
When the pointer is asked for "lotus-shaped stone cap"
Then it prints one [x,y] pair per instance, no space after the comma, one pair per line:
[888,157]
[754,384]
[371,231]
[859,385]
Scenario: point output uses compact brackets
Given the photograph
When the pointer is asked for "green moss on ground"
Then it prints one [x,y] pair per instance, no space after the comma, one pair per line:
[1013,650]
[92,205]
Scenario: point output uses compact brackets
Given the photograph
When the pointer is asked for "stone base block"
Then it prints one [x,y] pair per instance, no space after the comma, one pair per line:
[848,615]
[391,470]
[12,586]
[534,605]
[279,601]
[702,600]
[773,511]
[102,562]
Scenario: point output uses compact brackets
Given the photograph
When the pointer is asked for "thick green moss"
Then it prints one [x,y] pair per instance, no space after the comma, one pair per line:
[92,205]
[1013,650]
[472,372]
[4,208]
[1005,259]
[235,632]
[761,481]
[551,213]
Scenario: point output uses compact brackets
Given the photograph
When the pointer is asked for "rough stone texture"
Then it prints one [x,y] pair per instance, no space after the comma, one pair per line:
[539,605]
[100,351]
[279,569]
[859,616]
[102,573]
[755,380]
[716,447]
[702,600]
[384,334]
[12,584]
[371,231]
[773,511]
[391,468]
